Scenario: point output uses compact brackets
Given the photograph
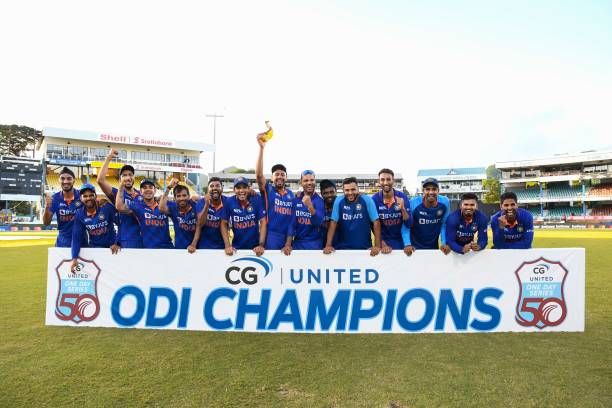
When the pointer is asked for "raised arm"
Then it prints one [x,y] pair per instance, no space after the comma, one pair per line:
[163,203]
[104,185]
[48,214]
[119,201]
[259,175]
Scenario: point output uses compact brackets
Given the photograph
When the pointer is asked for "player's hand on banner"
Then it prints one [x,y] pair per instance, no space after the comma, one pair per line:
[374,251]
[445,249]
[475,246]
[115,249]
[328,250]
[408,250]
[230,250]
[259,250]
[386,249]
[467,248]
[191,249]
[74,265]
[287,250]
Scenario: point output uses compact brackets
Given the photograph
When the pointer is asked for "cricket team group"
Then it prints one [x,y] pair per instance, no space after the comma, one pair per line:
[276,218]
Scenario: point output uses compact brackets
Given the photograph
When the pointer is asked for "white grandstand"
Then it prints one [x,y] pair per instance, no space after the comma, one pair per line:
[565,186]
[455,182]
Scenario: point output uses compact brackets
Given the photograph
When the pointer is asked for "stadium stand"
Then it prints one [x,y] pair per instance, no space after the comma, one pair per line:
[602,190]
[52,182]
[603,211]
[564,192]
[560,212]
[528,194]
[535,211]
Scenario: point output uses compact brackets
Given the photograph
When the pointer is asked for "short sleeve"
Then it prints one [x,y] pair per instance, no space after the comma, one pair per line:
[335,215]
[371,206]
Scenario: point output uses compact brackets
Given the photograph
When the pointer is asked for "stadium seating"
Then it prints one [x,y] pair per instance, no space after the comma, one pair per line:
[564,192]
[53,182]
[535,211]
[602,211]
[528,194]
[602,190]
[560,212]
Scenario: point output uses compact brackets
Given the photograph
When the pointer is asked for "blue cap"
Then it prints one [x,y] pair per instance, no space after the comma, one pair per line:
[241,180]
[87,186]
[430,180]
[146,181]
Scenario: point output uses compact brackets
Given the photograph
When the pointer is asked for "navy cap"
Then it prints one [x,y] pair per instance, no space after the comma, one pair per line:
[146,181]
[241,180]
[430,180]
[87,186]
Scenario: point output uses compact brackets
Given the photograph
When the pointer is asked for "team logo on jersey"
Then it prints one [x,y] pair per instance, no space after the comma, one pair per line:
[520,229]
[440,212]
[140,198]
[474,227]
[358,207]
[397,207]
[101,217]
[77,295]
[77,204]
[250,208]
[541,301]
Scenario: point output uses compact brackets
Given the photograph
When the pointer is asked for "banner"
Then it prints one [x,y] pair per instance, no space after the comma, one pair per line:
[532,290]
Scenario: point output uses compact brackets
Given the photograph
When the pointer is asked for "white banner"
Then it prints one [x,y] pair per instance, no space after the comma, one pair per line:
[349,292]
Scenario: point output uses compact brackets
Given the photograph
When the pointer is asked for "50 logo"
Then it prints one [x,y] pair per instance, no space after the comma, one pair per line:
[541,301]
[248,270]
[77,296]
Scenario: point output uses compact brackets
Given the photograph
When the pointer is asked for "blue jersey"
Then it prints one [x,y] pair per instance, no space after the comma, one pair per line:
[354,221]
[278,208]
[65,210]
[129,230]
[325,227]
[304,226]
[517,236]
[210,237]
[153,223]
[460,232]
[428,223]
[393,228]
[99,226]
[244,221]
[184,223]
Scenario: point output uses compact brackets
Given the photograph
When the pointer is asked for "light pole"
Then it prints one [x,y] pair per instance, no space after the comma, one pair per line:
[214,116]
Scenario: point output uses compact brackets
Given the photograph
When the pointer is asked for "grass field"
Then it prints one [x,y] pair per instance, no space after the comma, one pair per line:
[59,366]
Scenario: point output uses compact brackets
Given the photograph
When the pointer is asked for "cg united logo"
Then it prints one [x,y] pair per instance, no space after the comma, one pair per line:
[247,270]
[541,302]
[77,296]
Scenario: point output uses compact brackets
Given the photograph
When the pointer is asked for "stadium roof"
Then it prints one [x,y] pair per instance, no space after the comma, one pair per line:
[465,171]
[560,159]
[125,139]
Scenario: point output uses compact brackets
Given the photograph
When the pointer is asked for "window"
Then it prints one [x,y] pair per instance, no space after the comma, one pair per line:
[55,150]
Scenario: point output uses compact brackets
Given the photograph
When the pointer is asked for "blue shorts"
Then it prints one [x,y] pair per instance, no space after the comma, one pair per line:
[274,240]
[133,243]
[307,245]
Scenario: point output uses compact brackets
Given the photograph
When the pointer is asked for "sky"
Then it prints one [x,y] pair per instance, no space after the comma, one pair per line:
[349,86]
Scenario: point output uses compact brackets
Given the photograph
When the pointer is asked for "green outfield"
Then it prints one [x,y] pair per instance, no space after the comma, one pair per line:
[60,366]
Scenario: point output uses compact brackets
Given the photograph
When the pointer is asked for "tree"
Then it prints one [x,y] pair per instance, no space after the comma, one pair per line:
[15,140]
[492,186]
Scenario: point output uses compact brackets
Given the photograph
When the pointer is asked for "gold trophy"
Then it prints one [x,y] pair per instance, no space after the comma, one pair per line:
[267,135]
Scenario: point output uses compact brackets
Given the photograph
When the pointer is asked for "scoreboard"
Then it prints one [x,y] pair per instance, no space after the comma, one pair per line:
[21,176]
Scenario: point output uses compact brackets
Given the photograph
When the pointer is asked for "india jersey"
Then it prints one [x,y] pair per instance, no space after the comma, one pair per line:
[305,227]
[184,223]
[98,226]
[153,223]
[325,227]
[129,230]
[517,236]
[65,210]
[279,210]
[210,237]
[354,221]
[460,232]
[244,221]
[392,225]
[428,223]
